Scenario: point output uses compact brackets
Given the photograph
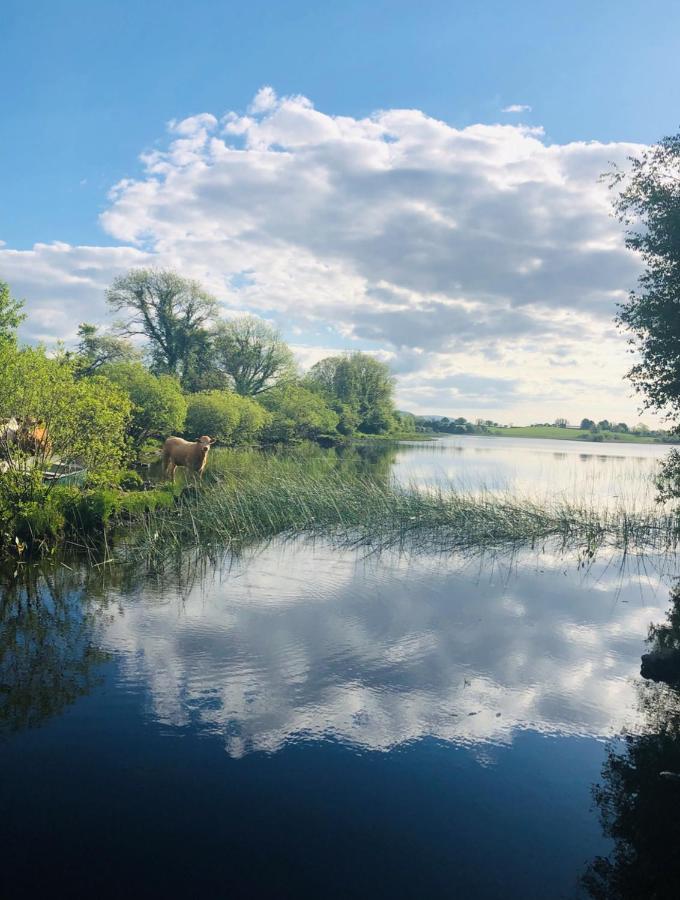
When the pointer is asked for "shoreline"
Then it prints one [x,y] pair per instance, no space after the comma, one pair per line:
[578,437]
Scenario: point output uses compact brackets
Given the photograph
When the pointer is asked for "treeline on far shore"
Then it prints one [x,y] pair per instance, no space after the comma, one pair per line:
[587,430]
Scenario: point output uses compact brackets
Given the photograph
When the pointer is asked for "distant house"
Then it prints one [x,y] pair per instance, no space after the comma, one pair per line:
[577,427]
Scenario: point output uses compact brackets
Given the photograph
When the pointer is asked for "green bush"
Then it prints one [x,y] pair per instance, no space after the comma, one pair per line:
[88,513]
[29,511]
[229,418]
[297,414]
[159,407]
[85,419]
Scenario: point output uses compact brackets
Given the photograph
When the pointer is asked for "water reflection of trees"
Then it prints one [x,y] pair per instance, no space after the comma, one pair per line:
[639,795]
[48,617]
[375,459]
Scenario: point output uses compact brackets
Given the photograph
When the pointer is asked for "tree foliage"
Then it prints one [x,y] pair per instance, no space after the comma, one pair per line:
[172,312]
[11,314]
[648,203]
[359,388]
[252,354]
[297,413]
[96,349]
[231,419]
[85,419]
[159,407]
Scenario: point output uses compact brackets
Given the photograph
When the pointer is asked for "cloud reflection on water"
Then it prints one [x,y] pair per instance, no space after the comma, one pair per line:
[312,643]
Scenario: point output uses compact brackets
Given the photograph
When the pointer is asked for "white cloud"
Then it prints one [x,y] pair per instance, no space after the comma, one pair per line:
[463,252]
[516,108]
[264,100]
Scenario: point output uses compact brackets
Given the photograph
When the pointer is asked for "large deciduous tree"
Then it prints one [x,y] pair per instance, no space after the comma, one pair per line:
[172,312]
[96,349]
[648,203]
[253,354]
[360,388]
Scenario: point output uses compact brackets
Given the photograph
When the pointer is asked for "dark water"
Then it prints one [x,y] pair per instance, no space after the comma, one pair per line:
[307,722]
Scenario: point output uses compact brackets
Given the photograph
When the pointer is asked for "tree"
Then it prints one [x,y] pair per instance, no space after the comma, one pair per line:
[648,203]
[297,413]
[159,407]
[170,311]
[253,354]
[587,424]
[11,315]
[231,419]
[96,350]
[361,383]
[406,421]
[202,373]
[85,419]
[561,423]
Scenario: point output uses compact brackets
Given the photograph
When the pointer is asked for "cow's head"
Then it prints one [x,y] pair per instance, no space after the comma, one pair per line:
[205,442]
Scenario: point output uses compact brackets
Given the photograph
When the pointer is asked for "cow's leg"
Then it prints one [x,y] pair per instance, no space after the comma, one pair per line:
[170,470]
[168,466]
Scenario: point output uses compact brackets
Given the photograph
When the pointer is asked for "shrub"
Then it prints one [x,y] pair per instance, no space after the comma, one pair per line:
[229,418]
[89,513]
[159,407]
[297,413]
[85,419]
[28,511]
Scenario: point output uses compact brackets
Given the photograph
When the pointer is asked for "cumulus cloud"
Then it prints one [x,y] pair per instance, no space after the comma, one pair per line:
[461,251]
[516,108]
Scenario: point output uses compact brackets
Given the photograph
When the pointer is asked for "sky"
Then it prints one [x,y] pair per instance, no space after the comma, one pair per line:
[419,181]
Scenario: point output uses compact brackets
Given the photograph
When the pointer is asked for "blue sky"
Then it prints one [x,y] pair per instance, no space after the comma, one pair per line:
[91,86]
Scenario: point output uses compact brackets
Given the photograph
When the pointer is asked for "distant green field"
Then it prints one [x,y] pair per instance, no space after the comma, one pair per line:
[574,434]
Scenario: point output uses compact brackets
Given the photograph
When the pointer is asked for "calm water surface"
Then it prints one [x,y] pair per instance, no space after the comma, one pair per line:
[575,470]
[308,722]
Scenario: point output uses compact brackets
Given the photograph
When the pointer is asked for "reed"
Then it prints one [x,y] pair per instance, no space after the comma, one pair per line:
[252,497]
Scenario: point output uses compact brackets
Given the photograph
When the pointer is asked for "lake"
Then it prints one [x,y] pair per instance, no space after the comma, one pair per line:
[304,721]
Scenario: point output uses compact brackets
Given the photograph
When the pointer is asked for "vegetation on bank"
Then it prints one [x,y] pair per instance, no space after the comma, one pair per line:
[556,432]
[647,203]
[108,404]
[599,432]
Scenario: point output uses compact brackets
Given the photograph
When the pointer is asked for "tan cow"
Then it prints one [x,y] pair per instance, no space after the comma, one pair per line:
[27,435]
[192,454]
[32,437]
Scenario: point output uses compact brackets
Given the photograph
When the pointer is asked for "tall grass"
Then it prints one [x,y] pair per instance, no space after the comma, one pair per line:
[252,497]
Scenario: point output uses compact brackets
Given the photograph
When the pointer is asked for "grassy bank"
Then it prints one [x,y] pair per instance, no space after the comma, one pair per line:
[394,436]
[576,434]
[254,497]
